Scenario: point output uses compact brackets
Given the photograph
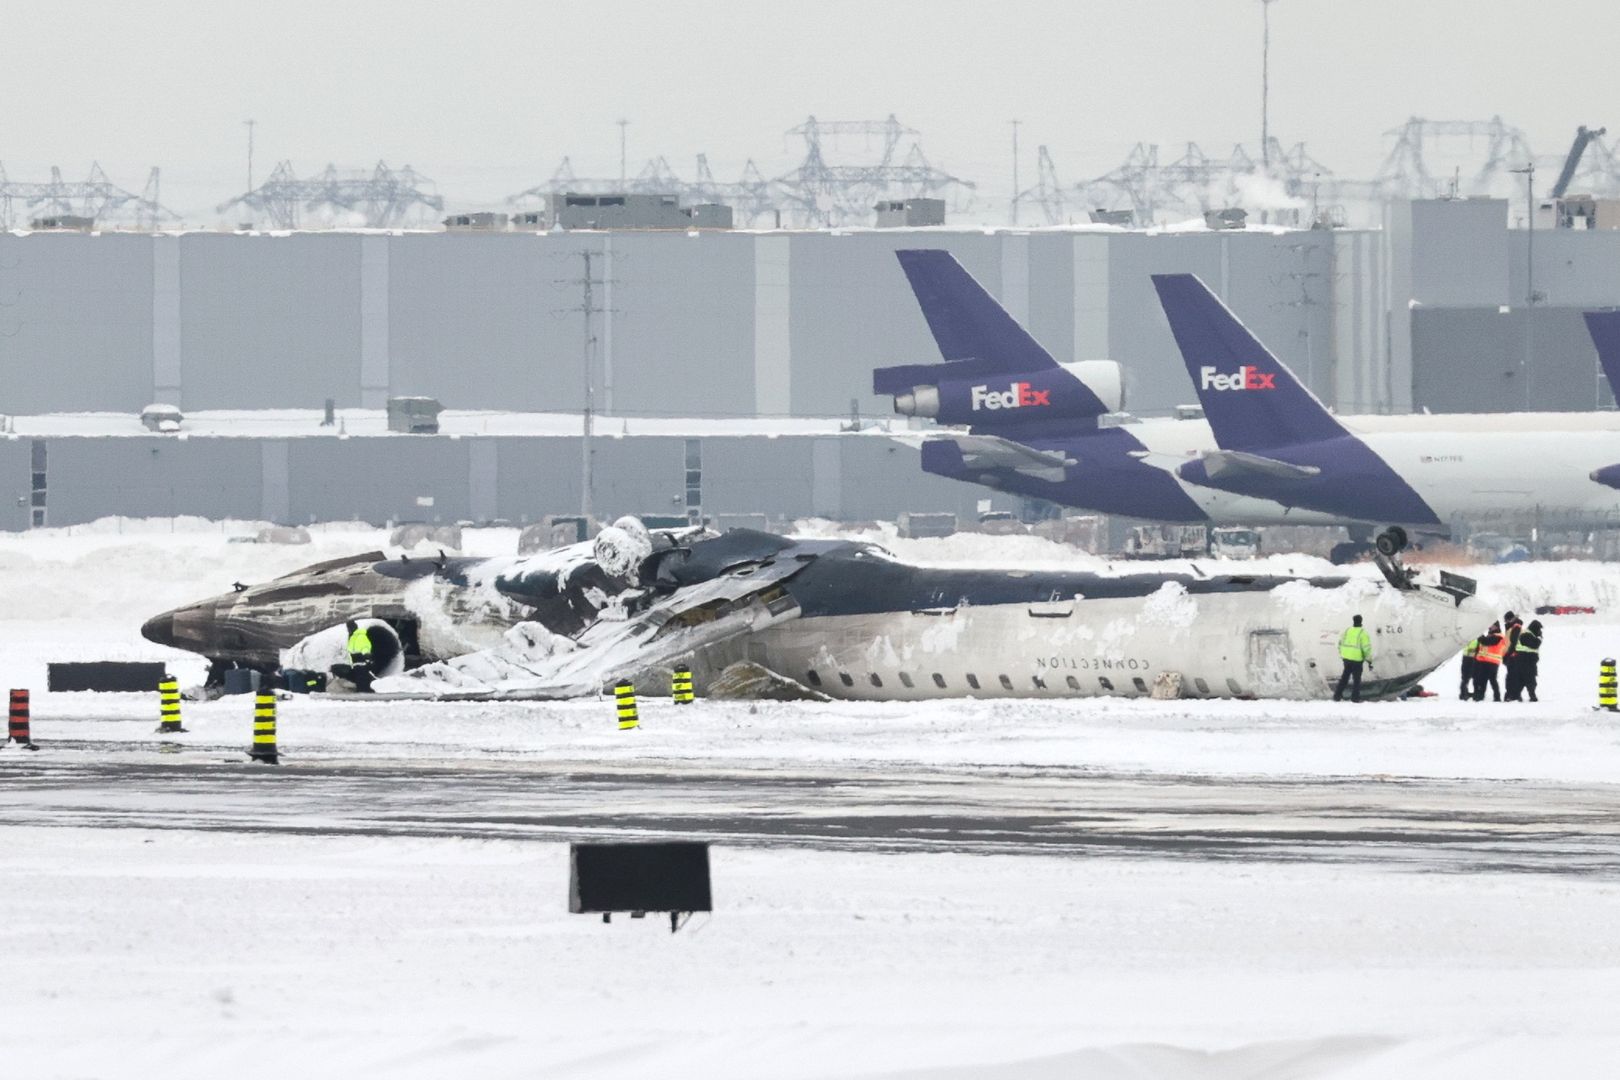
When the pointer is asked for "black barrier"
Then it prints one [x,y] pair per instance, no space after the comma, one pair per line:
[671,876]
[115,676]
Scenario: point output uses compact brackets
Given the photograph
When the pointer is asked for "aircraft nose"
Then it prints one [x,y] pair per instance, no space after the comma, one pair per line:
[183,628]
[159,629]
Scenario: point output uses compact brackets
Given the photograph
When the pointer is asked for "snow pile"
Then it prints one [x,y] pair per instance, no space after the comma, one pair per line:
[1523,587]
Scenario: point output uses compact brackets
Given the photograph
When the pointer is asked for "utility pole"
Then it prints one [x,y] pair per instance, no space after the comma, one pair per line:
[249,124]
[623,123]
[1527,364]
[588,309]
[1265,84]
[1015,173]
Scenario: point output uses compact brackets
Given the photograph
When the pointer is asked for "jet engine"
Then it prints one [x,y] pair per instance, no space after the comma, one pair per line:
[1080,391]
[322,650]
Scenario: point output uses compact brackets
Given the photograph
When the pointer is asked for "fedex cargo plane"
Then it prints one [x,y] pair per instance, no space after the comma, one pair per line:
[1276,441]
[1034,425]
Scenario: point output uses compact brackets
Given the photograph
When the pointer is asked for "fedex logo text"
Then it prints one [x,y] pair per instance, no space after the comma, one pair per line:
[1019,395]
[1248,377]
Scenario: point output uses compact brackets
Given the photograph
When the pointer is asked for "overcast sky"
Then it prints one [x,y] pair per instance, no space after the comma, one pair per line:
[486,97]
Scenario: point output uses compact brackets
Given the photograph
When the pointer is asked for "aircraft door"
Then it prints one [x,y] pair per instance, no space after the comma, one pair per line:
[1272,668]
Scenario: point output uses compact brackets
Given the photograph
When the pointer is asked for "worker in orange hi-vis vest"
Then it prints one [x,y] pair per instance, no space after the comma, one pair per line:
[1493,645]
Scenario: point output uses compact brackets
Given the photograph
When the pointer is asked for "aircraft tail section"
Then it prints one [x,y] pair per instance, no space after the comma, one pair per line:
[996,377]
[1604,326]
[968,325]
[1252,401]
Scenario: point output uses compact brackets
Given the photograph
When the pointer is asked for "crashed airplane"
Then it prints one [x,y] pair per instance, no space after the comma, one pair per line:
[825,617]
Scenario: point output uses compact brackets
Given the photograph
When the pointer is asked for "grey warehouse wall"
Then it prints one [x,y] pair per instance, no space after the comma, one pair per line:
[1474,361]
[75,322]
[212,478]
[724,323]
[446,479]
[16,489]
[269,322]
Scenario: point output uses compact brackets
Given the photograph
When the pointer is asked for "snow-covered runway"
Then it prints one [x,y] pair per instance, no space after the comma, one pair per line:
[1464,825]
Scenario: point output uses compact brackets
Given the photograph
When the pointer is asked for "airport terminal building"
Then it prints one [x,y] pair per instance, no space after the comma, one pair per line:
[744,351]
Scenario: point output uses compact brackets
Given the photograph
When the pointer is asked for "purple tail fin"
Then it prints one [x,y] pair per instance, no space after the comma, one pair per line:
[1604,326]
[1251,400]
[970,327]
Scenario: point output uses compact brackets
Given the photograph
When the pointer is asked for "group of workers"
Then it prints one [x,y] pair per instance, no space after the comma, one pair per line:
[1516,649]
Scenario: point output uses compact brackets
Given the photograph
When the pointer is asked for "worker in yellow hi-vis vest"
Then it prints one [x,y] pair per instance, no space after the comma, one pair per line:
[359,646]
[1355,649]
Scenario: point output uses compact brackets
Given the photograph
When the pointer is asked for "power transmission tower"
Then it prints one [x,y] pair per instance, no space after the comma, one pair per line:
[1047,192]
[821,193]
[1419,165]
[95,197]
[749,196]
[384,198]
[1196,182]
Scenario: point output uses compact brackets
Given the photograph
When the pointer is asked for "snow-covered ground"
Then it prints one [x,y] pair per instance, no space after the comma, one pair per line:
[181,940]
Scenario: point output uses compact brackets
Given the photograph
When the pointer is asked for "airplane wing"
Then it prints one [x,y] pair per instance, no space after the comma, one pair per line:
[995,452]
[533,663]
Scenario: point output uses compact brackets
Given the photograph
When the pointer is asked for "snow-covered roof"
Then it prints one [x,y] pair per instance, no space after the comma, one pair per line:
[291,423]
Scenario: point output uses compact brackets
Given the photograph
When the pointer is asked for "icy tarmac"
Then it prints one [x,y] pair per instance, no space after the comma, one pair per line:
[1010,890]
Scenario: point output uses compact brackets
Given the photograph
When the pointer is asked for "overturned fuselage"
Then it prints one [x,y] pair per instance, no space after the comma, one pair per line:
[841,618]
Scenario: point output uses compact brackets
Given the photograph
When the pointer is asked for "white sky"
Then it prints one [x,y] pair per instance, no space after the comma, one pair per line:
[486,96]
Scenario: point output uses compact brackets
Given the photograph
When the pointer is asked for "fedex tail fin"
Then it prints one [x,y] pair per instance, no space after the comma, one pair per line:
[1251,400]
[972,330]
[1604,326]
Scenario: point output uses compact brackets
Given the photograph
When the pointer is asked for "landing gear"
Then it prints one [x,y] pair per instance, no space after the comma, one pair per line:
[1392,541]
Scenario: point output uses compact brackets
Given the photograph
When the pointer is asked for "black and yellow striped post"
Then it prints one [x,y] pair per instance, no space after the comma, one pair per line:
[264,730]
[680,685]
[169,704]
[624,696]
[1606,686]
[18,731]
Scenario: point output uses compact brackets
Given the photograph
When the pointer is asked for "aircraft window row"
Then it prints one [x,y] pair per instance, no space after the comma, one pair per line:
[813,678]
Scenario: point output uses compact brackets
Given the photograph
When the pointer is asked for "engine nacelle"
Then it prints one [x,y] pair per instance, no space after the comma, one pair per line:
[325,648]
[1080,391]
